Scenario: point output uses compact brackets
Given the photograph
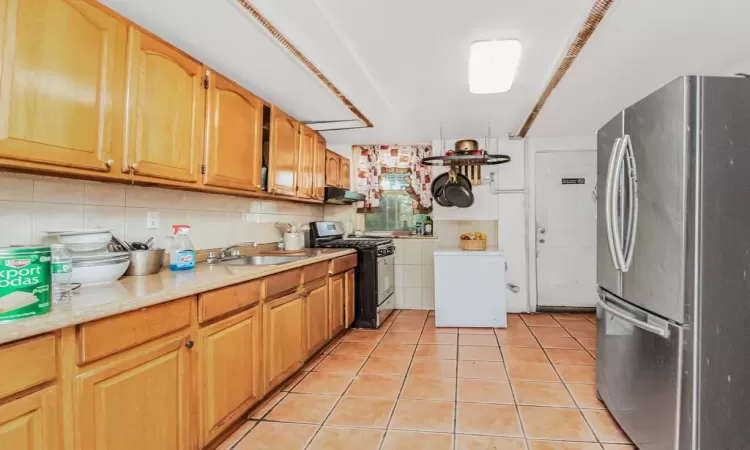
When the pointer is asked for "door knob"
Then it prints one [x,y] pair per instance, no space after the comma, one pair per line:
[541,241]
[542,230]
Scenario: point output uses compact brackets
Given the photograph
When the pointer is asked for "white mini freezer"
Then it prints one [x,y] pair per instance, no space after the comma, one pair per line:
[470,288]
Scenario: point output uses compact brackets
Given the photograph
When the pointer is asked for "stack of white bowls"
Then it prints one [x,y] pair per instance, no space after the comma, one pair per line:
[92,261]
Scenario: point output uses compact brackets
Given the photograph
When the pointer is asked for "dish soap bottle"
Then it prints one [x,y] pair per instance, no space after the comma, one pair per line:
[182,252]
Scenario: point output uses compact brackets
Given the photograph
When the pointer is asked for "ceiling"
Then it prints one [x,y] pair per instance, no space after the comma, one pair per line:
[404,63]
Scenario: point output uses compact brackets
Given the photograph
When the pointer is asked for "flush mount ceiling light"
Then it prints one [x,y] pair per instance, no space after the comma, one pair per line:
[492,65]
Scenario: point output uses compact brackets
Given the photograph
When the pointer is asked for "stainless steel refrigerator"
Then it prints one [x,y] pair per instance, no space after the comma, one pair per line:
[673,259]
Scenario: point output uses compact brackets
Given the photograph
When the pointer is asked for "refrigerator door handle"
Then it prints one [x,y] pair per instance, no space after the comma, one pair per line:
[615,196]
[663,332]
[608,202]
[632,174]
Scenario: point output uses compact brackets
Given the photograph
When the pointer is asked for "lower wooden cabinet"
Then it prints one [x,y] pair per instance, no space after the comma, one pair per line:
[284,337]
[140,400]
[229,371]
[349,295]
[336,303]
[30,422]
[316,317]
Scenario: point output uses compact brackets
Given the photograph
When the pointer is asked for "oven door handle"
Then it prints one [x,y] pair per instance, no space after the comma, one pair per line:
[663,332]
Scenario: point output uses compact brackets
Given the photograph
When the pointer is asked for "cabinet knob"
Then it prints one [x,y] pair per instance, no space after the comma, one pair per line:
[189,344]
[109,162]
[134,167]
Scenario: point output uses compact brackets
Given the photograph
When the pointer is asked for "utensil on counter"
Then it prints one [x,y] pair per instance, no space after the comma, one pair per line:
[94,272]
[138,246]
[284,227]
[145,262]
[125,246]
[150,243]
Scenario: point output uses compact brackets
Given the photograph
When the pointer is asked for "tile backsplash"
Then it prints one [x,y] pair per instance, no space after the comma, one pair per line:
[32,204]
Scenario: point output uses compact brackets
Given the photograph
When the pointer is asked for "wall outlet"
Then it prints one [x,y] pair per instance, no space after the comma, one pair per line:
[152,220]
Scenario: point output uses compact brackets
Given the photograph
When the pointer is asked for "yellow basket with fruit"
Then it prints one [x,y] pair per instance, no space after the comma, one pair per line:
[473,241]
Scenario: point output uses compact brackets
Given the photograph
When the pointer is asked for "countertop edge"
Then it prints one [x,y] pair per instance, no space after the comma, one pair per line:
[65,316]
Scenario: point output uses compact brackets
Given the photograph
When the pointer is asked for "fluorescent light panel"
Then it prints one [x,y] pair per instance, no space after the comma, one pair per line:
[492,65]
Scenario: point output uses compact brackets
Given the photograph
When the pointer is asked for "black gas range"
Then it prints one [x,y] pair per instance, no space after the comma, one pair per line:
[374,300]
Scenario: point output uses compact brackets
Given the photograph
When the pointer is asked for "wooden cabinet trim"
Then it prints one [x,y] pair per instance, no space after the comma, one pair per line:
[314,272]
[216,303]
[28,363]
[283,154]
[349,297]
[333,168]
[31,419]
[336,303]
[110,335]
[345,175]
[286,344]
[282,283]
[343,263]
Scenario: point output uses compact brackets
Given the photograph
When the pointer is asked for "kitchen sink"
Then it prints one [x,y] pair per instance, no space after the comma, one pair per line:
[260,260]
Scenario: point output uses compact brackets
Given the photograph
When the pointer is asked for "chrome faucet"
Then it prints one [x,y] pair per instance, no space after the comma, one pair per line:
[232,249]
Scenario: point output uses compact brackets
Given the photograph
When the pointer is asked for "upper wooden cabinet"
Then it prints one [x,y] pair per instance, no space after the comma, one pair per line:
[62,72]
[345,174]
[333,168]
[233,137]
[165,110]
[30,422]
[319,168]
[282,170]
[305,164]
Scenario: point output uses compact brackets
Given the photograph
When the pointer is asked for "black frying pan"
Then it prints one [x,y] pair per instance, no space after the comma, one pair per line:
[437,189]
[458,195]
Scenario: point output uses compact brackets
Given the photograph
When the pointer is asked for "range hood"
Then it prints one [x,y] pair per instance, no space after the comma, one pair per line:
[340,196]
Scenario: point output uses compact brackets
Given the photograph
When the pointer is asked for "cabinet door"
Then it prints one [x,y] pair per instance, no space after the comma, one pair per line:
[336,302]
[234,120]
[345,175]
[62,66]
[319,169]
[165,110]
[316,317]
[305,174]
[349,294]
[140,401]
[282,165]
[30,422]
[229,371]
[283,321]
[333,168]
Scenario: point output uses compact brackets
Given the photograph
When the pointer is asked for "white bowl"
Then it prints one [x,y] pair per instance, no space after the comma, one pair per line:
[84,240]
[100,273]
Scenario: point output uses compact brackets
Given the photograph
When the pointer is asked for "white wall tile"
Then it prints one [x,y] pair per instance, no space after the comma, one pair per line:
[428,276]
[412,252]
[16,188]
[412,298]
[135,224]
[59,190]
[398,275]
[412,276]
[16,223]
[398,291]
[109,217]
[399,244]
[54,216]
[428,298]
[428,252]
[148,197]
[111,194]
[209,229]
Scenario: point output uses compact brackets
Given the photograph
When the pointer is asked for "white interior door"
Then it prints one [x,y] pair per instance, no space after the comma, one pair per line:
[566,228]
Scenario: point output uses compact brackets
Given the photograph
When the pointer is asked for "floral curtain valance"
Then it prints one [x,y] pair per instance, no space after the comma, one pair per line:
[376,160]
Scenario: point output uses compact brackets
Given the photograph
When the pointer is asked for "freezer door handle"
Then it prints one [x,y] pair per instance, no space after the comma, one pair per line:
[632,174]
[663,332]
[608,202]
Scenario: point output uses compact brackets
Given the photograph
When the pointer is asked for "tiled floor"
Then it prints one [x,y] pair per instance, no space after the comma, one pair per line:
[413,386]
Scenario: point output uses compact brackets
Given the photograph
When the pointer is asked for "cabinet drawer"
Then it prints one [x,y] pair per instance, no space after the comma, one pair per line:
[107,336]
[282,283]
[342,264]
[314,272]
[26,364]
[221,301]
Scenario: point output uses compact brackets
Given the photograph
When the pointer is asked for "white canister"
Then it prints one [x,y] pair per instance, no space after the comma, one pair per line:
[293,241]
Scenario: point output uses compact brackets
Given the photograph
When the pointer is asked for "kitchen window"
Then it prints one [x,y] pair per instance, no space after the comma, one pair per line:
[396,207]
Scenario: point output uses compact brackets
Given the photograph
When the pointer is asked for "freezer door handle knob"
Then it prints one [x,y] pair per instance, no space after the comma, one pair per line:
[513,288]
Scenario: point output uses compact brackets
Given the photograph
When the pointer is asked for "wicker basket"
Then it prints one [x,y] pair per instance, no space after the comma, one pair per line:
[474,245]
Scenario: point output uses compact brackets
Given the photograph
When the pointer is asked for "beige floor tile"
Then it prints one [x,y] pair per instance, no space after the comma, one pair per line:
[524,354]
[354,349]
[376,385]
[581,326]
[362,412]
[324,383]
[468,442]
[413,440]
[472,353]
[530,371]
[365,337]
[467,330]
[588,343]
[394,337]
[488,419]
[619,447]
[535,393]
[423,415]
[312,363]
[568,317]
[289,384]
[237,436]
[414,313]
[438,339]
[341,364]
[436,351]
[540,320]
[427,388]
[585,396]
[576,373]
[558,342]
[518,340]
[482,369]
[555,424]
[481,390]
[409,327]
[579,334]
[484,340]
[394,351]
[440,330]
[605,427]
[303,408]
[340,438]
[430,367]
[562,445]
[562,356]
[277,436]
[549,332]
[267,405]
[386,366]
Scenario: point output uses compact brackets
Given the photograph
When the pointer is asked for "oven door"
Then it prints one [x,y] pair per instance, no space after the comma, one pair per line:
[638,372]
[386,277]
